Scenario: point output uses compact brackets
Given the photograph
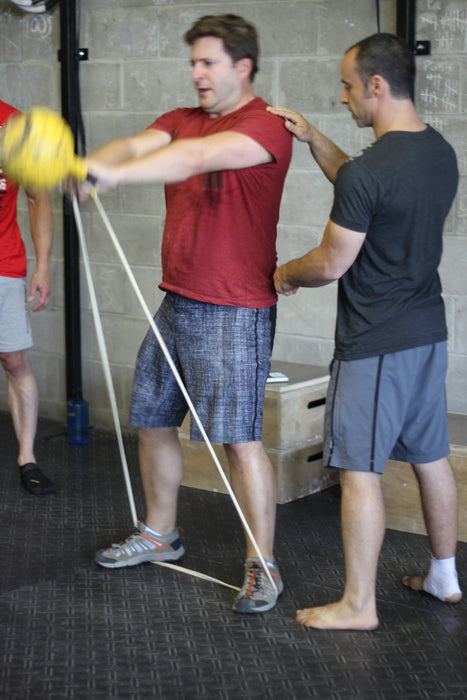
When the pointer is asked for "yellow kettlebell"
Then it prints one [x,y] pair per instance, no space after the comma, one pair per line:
[37,150]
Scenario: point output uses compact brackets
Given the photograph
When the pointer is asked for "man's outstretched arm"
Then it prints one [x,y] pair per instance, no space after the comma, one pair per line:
[328,156]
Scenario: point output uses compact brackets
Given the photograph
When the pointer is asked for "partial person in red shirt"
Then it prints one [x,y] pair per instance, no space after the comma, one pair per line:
[223,165]
[15,330]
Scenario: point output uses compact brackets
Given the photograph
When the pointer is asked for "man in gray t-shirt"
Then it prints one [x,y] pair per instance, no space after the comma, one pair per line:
[386,396]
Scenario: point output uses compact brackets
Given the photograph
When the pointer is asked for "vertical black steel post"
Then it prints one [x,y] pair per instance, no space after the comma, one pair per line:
[69,56]
[405,24]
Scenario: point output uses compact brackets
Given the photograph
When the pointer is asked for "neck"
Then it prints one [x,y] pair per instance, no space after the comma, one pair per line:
[397,115]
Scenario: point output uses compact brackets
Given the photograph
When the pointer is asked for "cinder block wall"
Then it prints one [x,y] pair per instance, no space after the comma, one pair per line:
[138,68]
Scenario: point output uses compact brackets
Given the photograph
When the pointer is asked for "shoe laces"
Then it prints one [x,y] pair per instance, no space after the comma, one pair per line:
[257,580]
[136,542]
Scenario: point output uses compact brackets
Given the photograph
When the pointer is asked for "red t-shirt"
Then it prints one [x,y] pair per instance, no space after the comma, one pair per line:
[12,250]
[219,243]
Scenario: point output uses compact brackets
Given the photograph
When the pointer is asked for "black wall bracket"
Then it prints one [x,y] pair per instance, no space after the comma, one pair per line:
[80,54]
[406,24]
[422,48]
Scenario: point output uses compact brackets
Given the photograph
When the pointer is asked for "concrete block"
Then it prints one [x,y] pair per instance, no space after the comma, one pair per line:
[309,311]
[140,236]
[456,383]
[303,349]
[449,304]
[115,293]
[48,330]
[265,84]
[121,33]
[285,29]
[158,86]
[143,200]
[35,35]
[11,33]
[438,85]
[295,241]
[307,200]
[453,129]
[101,85]
[453,265]
[102,128]
[310,85]
[31,84]
[461,200]
[443,23]
[96,392]
[109,287]
[343,24]
[49,371]
[123,337]
[173,22]
[460,326]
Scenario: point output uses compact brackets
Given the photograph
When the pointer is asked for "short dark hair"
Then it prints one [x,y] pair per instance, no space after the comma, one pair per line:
[239,36]
[389,56]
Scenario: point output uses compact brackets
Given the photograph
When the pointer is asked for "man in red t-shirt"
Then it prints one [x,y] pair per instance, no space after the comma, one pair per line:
[223,165]
[15,331]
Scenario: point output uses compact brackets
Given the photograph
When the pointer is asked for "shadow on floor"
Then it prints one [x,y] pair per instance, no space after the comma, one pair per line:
[70,629]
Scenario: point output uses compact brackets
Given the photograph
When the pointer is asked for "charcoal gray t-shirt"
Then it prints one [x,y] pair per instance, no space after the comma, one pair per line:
[399,192]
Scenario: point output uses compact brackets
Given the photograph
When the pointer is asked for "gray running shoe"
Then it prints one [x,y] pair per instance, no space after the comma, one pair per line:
[141,546]
[257,594]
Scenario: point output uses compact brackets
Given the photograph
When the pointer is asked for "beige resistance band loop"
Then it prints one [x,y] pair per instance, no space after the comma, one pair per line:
[104,357]
[176,374]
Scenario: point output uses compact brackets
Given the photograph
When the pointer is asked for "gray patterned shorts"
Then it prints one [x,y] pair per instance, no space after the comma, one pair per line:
[223,356]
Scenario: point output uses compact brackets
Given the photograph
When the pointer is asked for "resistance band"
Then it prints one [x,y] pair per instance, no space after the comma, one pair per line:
[106,365]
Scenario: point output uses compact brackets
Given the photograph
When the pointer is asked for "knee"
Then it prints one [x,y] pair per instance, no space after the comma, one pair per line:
[151,437]
[244,453]
[15,364]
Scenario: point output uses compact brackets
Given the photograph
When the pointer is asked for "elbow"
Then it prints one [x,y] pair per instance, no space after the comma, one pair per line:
[331,273]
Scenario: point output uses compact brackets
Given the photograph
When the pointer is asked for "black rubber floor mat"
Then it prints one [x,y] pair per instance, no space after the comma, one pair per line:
[70,629]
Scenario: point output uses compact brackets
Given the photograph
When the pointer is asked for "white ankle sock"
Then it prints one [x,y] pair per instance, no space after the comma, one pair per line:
[153,532]
[441,580]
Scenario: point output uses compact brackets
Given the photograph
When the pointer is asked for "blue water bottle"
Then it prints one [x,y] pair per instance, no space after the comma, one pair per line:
[77,421]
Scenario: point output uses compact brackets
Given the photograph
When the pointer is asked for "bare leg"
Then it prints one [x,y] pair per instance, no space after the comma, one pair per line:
[161,466]
[363,528]
[22,400]
[438,491]
[254,485]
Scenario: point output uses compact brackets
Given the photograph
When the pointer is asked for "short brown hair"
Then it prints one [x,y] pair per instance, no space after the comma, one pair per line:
[239,36]
[389,56]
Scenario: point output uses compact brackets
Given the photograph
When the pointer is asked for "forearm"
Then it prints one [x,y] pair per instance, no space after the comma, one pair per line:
[328,156]
[327,263]
[174,163]
[41,226]
[113,153]
[311,270]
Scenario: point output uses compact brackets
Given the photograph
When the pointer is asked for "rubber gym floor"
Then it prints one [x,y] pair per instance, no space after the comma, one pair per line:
[71,629]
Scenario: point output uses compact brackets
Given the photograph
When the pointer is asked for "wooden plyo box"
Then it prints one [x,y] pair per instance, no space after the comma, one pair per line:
[293,415]
[400,487]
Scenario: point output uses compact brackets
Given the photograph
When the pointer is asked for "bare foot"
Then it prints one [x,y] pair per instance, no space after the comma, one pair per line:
[337,616]
[416,584]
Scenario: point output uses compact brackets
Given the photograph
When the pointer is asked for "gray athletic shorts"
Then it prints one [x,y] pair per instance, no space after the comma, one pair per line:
[15,327]
[387,407]
[223,356]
